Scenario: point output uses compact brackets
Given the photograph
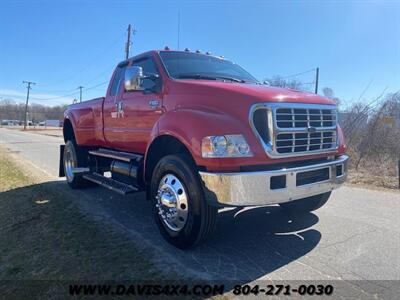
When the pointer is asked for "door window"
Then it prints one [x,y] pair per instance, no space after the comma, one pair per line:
[149,67]
[119,75]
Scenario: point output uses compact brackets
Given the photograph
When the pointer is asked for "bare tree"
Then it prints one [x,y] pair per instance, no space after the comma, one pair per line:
[11,110]
[374,146]
[277,80]
[329,93]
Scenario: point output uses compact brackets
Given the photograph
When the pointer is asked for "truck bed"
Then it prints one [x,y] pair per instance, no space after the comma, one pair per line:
[88,119]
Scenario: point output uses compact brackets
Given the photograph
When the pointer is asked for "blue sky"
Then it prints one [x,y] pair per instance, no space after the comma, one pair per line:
[64,44]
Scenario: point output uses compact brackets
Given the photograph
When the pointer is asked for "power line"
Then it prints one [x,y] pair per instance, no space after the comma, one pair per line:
[97,85]
[84,68]
[365,89]
[129,43]
[297,74]
[108,48]
[54,98]
[363,113]
[54,91]
[109,69]
[74,93]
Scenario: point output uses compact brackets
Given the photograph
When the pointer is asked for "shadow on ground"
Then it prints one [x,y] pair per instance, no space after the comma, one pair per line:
[247,245]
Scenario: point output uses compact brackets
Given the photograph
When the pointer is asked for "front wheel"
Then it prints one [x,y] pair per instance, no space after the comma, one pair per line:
[306,205]
[182,214]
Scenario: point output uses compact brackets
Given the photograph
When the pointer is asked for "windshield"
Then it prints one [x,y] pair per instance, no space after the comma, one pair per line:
[186,65]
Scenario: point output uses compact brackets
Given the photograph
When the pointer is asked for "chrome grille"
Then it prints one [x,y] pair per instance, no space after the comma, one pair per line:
[295,129]
[301,142]
[304,117]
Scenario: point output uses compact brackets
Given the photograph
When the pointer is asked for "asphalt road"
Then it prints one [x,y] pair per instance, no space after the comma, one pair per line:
[355,236]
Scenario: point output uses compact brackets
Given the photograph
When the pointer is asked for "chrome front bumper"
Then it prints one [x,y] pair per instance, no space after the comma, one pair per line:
[254,188]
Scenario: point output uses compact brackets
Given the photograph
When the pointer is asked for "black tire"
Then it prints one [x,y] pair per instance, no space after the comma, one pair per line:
[201,217]
[306,205]
[79,157]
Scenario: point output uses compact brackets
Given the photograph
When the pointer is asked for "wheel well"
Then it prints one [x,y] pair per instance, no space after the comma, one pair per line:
[68,131]
[160,147]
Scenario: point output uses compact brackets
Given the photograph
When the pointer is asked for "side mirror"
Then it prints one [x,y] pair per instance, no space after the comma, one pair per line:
[133,78]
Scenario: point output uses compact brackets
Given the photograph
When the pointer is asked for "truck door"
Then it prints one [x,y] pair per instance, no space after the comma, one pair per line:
[129,117]
[112,118]
[142,109]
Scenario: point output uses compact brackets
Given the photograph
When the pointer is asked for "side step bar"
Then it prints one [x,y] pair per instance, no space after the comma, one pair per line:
[124,156]
[78,170]
[110,183]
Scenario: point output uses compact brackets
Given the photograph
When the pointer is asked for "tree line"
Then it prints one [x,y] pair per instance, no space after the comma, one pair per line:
[11,110]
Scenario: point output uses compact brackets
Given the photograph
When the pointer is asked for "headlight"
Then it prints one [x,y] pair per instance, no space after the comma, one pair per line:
[225,146]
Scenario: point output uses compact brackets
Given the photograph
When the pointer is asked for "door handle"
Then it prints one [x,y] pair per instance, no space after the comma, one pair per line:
[120,109]
[119,106]
[154,103]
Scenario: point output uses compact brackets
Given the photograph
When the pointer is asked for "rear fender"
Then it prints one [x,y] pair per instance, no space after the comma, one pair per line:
[87,121]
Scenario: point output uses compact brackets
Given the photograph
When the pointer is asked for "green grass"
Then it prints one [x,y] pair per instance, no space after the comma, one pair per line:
[10,176]
[43,236]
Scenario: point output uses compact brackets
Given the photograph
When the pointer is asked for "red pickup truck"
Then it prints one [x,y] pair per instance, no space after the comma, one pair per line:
[197,132]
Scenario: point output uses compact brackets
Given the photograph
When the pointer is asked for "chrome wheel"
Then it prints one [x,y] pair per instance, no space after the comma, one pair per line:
[69,164]
[172,202]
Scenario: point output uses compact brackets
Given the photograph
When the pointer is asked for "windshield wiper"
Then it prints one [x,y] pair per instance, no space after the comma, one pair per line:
[231,79]
[209,77]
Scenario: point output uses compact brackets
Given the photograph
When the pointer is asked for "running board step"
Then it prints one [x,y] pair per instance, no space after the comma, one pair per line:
[109,183]
[124,156]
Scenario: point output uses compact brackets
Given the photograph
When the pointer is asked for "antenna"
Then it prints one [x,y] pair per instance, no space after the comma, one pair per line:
[179,26]
[316,80]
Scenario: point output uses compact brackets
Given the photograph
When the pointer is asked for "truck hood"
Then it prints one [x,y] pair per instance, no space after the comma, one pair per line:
[253,92]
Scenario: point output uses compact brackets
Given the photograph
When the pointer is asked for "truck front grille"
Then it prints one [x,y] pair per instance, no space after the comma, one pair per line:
[295,129]
[300,142]
[299,117]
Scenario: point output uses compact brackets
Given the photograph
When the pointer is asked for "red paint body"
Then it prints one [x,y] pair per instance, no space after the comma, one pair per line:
[188,110]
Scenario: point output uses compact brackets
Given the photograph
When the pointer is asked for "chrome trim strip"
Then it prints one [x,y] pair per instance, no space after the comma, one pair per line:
[253,188]
[273,129]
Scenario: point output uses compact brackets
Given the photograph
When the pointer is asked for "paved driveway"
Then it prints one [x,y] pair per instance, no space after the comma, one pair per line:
[356,236]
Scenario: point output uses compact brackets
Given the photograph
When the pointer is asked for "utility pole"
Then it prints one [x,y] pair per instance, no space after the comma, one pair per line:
[0,120]
[128,41]
[29,83]
[80,93]
[316,80]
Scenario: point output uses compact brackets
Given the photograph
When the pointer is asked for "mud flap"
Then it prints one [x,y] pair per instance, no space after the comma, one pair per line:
[61,172]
